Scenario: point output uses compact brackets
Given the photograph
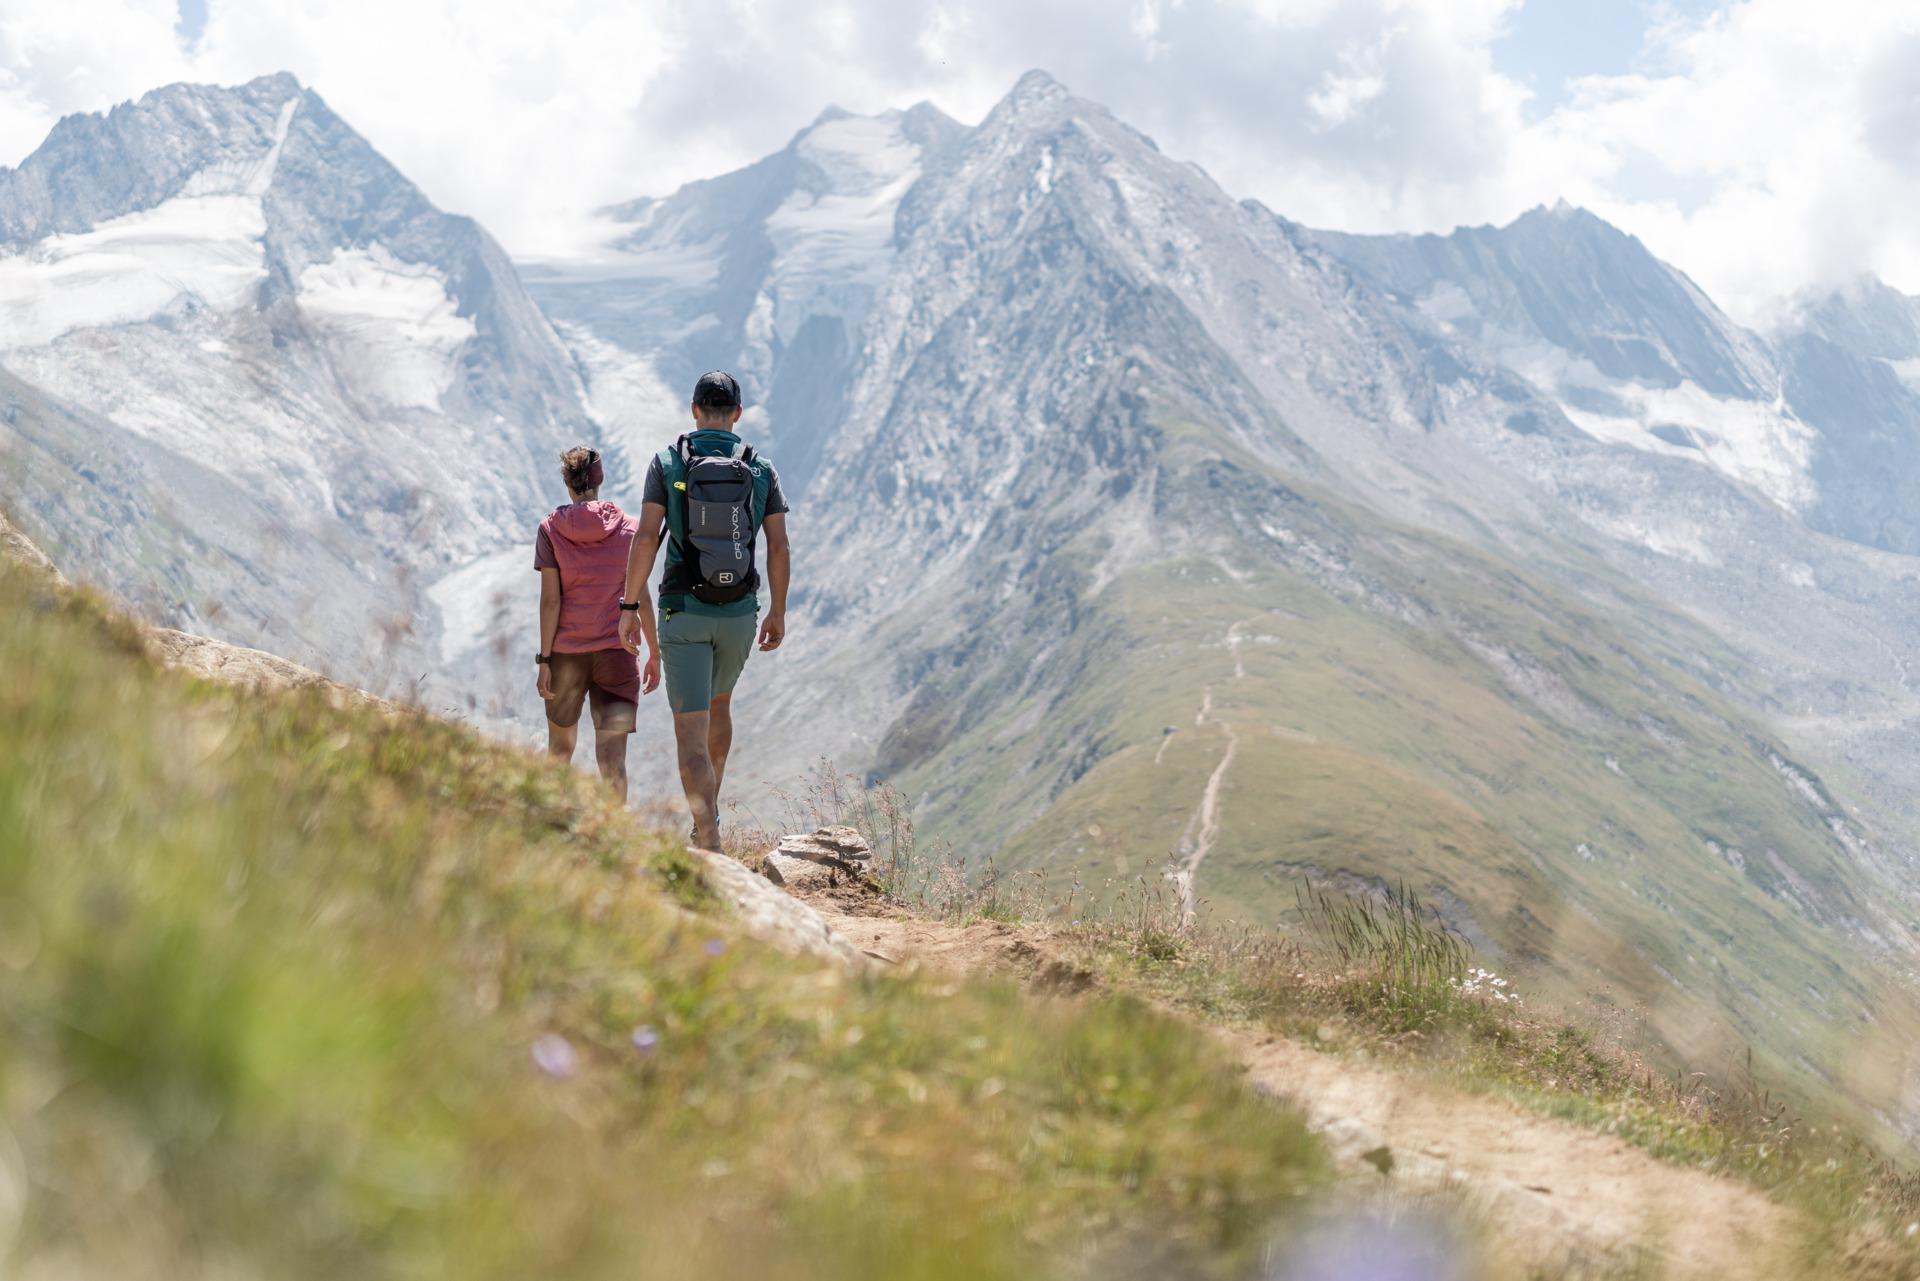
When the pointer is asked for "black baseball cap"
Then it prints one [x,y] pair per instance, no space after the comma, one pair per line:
[717,390]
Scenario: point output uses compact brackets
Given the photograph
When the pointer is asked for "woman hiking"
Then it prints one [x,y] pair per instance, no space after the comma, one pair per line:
[581,553]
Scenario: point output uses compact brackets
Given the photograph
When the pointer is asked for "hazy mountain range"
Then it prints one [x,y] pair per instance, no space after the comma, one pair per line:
[1134,524]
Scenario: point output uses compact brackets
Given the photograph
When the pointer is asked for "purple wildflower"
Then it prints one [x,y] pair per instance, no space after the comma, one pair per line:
[553,1055]
[645,1038]
[715,947]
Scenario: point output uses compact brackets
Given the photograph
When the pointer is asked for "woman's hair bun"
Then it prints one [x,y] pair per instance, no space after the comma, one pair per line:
[581,468]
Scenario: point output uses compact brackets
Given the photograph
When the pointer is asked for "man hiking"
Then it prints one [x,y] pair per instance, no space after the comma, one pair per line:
[710,495]
[581,553]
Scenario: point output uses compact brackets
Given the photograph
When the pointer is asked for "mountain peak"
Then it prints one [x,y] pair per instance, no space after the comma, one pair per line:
[283,83]
[1865,287]
[270,92]
[1561,210]
[1033,90]
[1564,219]
[219,135]
[1865,314]
[1036,101]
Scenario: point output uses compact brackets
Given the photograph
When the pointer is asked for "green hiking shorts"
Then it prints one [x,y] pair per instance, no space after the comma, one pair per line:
[703,655]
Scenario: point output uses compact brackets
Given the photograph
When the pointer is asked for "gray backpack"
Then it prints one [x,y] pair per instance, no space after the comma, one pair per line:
[710,517]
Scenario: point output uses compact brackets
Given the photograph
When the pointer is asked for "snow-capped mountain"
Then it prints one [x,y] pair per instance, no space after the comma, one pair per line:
[1631,351]
[1822,417]
[770,271]
[269,333]
[1852,362]
[1704,460]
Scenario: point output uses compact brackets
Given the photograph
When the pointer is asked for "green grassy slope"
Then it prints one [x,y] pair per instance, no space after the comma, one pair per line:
[1569,787]
[294,990]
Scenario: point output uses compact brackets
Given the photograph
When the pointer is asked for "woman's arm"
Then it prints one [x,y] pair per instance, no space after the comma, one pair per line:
[549,624]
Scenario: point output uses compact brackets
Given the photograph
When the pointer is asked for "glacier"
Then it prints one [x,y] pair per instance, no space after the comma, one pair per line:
[395,330]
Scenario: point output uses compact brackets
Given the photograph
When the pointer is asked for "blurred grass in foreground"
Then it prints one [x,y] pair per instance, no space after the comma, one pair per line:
[301,990]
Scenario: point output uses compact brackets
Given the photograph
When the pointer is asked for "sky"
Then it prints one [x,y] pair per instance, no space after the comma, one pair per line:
[1766,147]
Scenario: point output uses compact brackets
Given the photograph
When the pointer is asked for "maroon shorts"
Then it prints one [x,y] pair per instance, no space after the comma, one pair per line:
[609,677]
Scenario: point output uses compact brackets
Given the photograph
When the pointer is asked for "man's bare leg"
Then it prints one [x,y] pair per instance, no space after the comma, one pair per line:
[610,750]
[719,741]
[561,740]
[696,776]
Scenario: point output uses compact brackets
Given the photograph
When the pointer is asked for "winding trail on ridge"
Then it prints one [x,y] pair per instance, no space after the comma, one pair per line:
[1203,829]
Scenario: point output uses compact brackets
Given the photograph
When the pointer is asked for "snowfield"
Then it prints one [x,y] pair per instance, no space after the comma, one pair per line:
[832,248]
[487,601]
[206,250]
[391,323]
[1751,441]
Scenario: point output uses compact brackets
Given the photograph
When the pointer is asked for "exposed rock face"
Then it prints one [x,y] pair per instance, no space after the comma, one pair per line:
[249,669]
[16,546]
[769,271]
[770,915]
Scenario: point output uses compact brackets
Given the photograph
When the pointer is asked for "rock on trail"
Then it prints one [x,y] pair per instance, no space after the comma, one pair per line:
[774,917]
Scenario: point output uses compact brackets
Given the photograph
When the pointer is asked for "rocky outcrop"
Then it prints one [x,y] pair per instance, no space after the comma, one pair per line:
[841,848]
[249,669]
[16,546]
[772,916]
[203,656]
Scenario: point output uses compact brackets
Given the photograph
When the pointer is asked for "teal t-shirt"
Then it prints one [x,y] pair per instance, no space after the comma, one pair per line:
[767,501]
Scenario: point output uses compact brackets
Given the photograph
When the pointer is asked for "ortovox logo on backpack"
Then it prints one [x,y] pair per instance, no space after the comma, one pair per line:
[716,528]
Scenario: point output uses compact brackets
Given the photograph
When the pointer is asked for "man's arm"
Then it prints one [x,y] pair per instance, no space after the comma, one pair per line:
[638,624]
[549,624]
[773,628]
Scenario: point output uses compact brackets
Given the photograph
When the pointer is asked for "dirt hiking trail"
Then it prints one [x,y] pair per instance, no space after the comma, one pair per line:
[1559,1200]
[1203,829]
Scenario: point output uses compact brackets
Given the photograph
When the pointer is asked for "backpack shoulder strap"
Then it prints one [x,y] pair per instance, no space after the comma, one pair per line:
[673,471]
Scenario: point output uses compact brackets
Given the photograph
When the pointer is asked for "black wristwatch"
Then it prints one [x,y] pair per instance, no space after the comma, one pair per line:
[625,605]
[542,659]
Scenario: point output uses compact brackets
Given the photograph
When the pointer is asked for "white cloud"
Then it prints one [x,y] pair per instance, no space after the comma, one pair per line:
[1769,146]
[62,56]
[1788,115]
[519,114]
